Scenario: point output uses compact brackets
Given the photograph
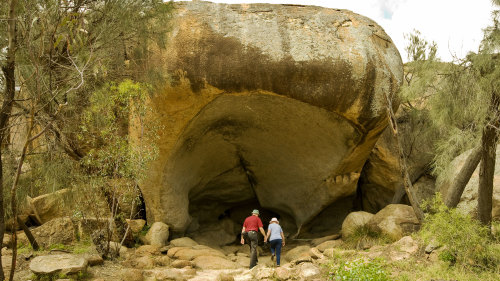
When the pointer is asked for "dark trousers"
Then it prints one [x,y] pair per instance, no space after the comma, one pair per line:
[252,239]
[276,249]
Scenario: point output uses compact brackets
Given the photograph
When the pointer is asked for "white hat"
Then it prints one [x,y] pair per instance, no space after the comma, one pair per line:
[274,219]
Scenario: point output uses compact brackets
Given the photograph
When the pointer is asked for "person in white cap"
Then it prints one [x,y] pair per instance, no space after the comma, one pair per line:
[276,239]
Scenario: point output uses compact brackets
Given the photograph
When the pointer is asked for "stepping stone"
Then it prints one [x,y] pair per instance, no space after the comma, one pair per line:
[63,264]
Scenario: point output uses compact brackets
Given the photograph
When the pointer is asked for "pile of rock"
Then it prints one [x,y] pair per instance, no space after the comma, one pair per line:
[394,221]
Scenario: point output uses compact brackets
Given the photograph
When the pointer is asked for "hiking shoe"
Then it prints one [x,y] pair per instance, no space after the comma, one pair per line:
[272,257]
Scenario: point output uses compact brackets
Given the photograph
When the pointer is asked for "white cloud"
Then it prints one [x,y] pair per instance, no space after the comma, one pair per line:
[455,25]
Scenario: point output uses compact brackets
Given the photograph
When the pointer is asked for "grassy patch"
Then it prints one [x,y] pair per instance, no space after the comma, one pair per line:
[467,244]
[363,237]
[414,269]
[358,269]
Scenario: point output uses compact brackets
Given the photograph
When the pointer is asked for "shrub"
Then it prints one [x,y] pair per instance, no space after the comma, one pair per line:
[466,241]
[359,269]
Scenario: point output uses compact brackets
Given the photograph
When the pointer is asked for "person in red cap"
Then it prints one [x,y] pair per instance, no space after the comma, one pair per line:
[251,225]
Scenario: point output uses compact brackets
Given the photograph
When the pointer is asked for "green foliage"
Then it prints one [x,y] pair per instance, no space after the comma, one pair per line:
[115,109]
[359,269]
[447,97]
[56,276]
[419,49]
[82,248]
[466,242]
[58,246]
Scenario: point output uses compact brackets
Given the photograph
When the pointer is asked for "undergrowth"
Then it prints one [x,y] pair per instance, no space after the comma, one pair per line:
[465,242]
[358,269]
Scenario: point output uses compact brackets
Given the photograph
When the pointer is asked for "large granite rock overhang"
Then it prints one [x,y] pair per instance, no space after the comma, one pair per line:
[269,106]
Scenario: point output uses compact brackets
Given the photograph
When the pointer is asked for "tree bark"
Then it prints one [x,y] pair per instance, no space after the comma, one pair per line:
[487,168]
[8,98]
[398,195]
[2,216]
[29,235]
[13,192]
[458,185]
[402,164]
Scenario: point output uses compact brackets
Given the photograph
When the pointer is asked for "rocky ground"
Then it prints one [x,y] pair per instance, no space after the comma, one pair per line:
[184,259]
[381,239]
[67,256]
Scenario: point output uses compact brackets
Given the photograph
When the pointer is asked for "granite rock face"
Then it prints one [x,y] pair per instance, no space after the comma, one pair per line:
[275,107]
[381,174]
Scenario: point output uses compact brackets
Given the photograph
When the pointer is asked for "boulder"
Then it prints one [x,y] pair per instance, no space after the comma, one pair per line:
[283,273]
[395,221]
[183,242]
[170,274]
[296,253]
[163,261]
[6,251]
[181,263]
[316,253]
[406,244]
[402,249]
[9,222]
[131,274]
[52,205]
[147,250]
[468,201]
[136,226]
[95,259]
[192,253]
[354,221]
[225,277]
[214,262]
[143,262]
[7,241]
[256,92]
[157,235]
[231,249]
[329,244]
[61,264]
[242,261]
[308,270]
[317,241]
[56,231]
[6,262]
[262,273]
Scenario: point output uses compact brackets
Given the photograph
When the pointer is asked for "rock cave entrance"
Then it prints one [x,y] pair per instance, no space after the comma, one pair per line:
[279,155]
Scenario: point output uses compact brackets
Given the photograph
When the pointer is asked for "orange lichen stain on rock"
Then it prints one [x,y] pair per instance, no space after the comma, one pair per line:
[173,108]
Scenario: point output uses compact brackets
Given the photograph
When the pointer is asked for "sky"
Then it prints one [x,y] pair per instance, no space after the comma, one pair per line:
[455,25]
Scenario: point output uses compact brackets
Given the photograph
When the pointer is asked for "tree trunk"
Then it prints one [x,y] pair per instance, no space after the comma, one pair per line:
[13,192]
[408,187]
[486,174]
[398,195]
[8,98]
[458,185]
[487,167]
[29,235]
[2,217]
